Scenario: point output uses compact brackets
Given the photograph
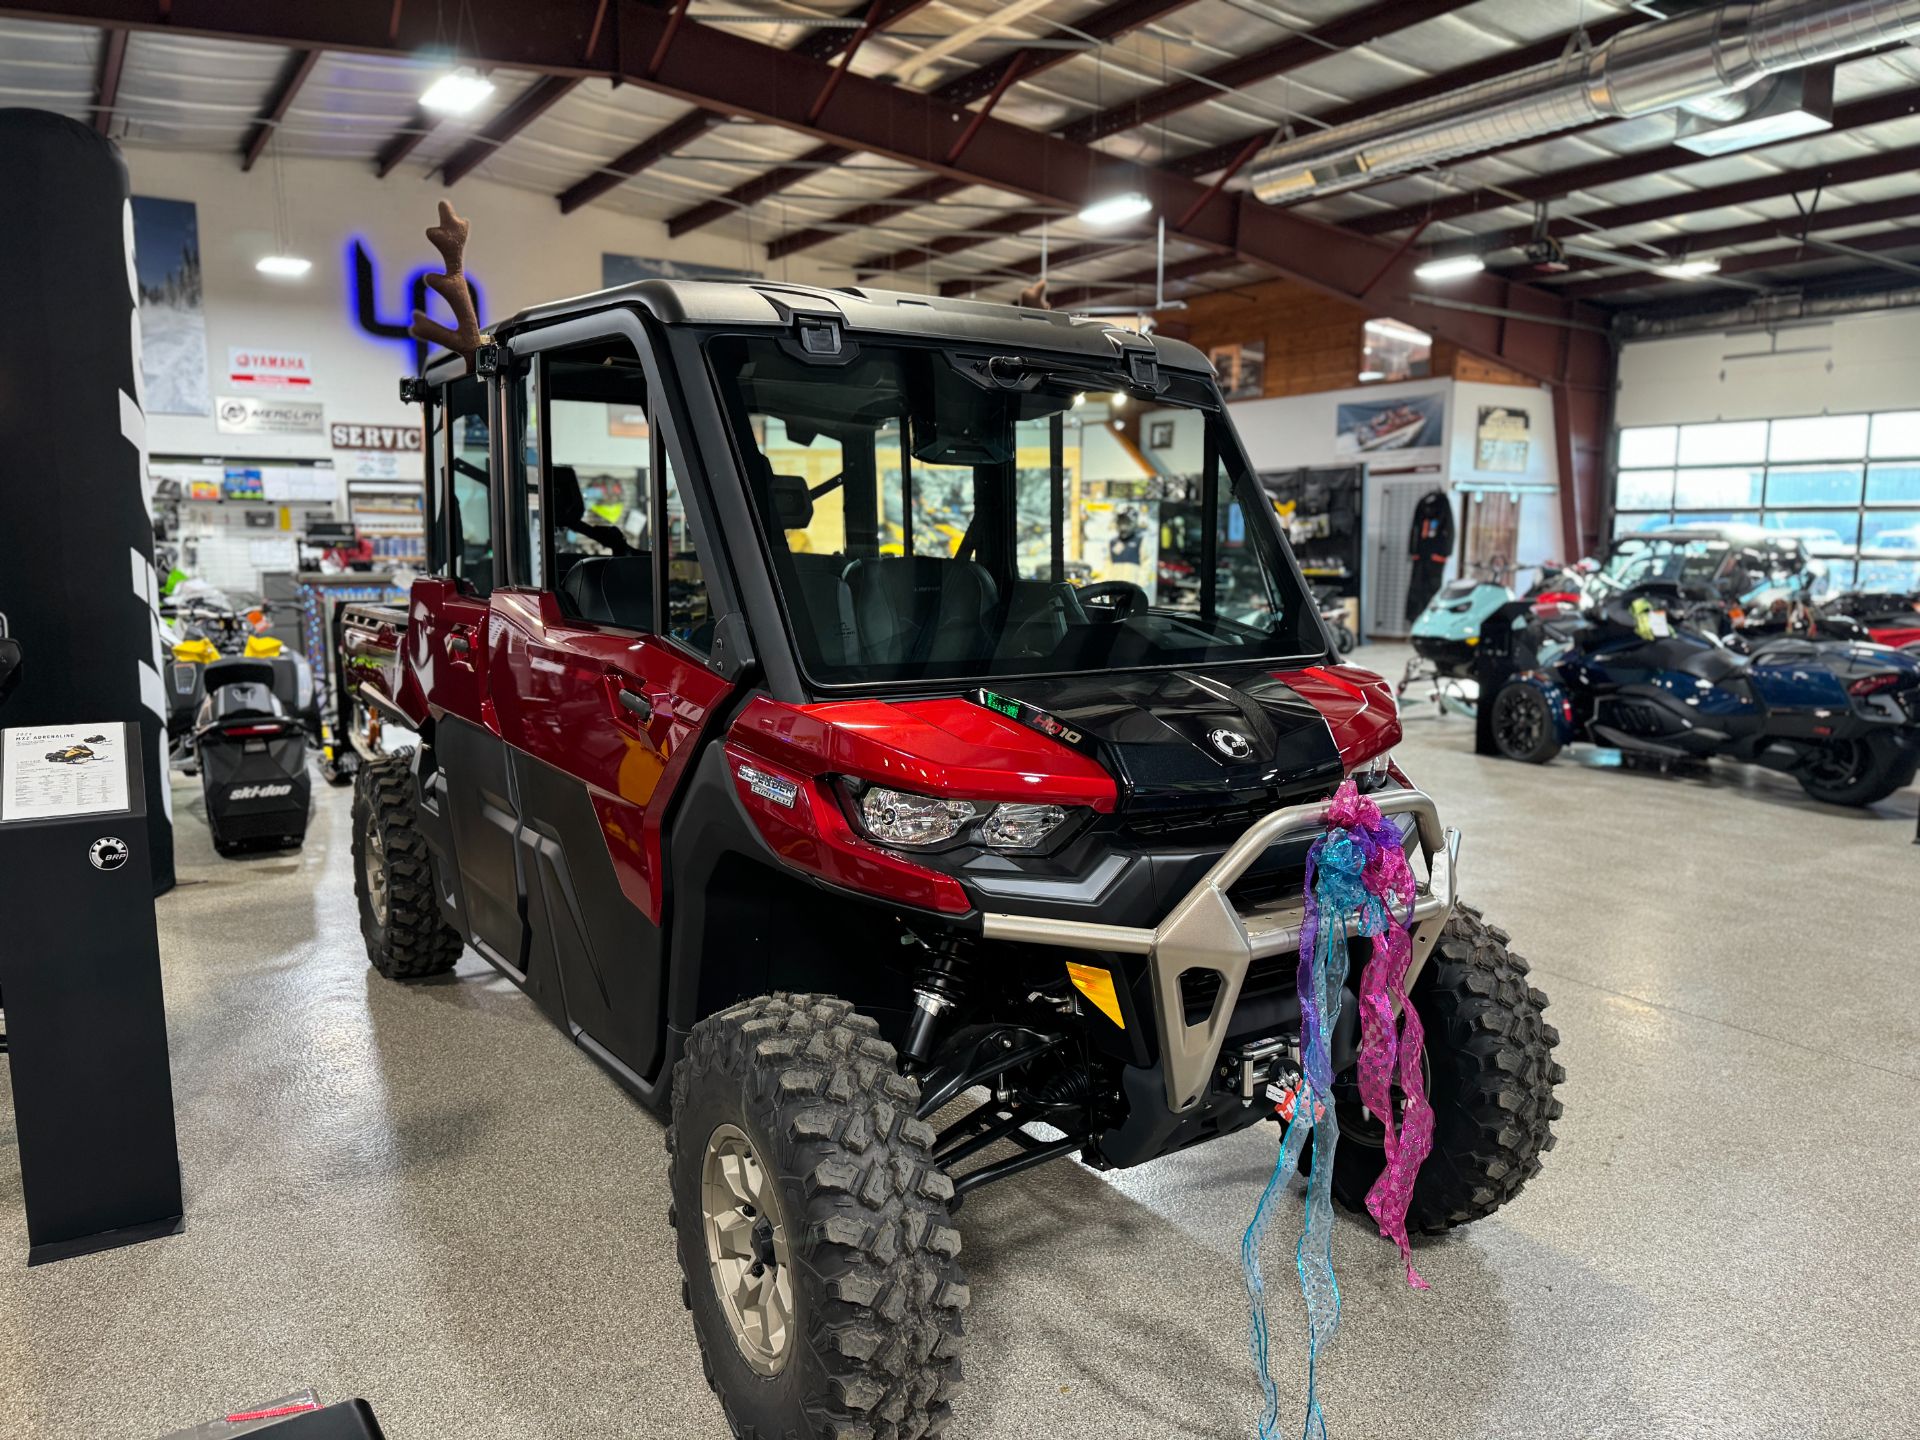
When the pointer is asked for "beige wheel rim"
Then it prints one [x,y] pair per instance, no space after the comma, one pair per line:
[747,1249]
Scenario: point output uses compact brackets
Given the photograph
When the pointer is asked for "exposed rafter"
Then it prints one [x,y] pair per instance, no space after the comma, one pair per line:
[532,103]
[1871,166]
[1383,17]
[106,84]
[1703,242]
[1069,297]
[1875,110]
[405,141]
[825,43]
[985,82]
[299,66]
[1803,251]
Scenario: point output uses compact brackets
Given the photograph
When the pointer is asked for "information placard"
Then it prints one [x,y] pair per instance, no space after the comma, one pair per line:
[55,770]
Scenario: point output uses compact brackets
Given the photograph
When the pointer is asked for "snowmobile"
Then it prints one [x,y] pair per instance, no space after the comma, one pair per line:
[252,751]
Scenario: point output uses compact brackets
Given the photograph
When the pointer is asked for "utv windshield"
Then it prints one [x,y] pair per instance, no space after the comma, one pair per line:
[932,516]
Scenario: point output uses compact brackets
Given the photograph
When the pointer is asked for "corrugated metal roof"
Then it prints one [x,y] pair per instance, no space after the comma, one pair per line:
[186,92]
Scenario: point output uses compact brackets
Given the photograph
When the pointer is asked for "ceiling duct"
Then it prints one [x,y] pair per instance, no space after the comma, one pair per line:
[1701,61]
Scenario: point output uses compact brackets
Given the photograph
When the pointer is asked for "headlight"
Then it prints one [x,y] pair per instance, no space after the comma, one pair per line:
[896,817]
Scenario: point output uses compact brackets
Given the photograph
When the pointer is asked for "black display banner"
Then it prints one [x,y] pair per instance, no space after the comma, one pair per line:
[76,540]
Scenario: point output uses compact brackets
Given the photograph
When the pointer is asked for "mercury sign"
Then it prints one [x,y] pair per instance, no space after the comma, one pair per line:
[403,439]
[244,415]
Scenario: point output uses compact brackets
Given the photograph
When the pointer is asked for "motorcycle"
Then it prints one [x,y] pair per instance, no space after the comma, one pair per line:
[1632,674]
[1333,612]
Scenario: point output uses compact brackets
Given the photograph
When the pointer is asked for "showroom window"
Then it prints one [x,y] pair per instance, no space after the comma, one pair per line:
[1847,485]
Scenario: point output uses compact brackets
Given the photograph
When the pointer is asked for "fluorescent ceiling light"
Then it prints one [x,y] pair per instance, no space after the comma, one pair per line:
[1117,209]
[1689,269]
[1396,330]
[458,92]
[1118,400]
[289,266]
[1373,374]
[1453,267]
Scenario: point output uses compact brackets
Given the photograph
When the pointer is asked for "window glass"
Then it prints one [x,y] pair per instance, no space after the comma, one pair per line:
[689,608]
[1393,350]
[1819,437]
[435,421]
[1732,443]
[1628,524]
[1841,575]
[1897,433]
[1654,445]
[1891,532]
[1893,484]
[1826,485]
[1695,489]
[1899,576]
[818,462]
[1823,532]
[470,491]
[1644,489]
[526,563]
[1715,517]
[1033,493]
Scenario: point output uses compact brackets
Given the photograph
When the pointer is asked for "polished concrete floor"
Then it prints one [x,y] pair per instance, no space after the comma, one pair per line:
[427,1197]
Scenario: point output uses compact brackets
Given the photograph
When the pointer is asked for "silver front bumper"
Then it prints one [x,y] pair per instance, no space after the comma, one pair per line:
[1206,932]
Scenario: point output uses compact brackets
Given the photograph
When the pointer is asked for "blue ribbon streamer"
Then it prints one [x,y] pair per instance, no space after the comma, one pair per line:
[1334,892]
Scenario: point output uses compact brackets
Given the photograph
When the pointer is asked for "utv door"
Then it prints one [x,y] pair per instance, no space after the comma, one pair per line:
[598,677]
[447,631]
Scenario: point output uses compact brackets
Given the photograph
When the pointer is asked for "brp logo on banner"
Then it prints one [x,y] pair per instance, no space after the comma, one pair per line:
[109,852]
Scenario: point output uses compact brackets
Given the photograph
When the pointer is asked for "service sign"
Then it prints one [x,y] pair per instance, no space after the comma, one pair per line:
[282,370]
[403,439]
[247,415]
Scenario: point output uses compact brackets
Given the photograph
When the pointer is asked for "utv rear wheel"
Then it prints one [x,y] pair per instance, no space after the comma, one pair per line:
[1523,726]
[1490,1078]
[815,1241]
[393,878]
[1859,772]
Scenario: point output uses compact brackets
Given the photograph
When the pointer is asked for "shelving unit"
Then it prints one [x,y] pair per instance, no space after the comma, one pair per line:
[389,513]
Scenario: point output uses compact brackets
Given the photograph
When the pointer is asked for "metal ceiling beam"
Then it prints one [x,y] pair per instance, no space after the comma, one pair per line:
[1875,110]
[405,141]
[529,106]
[1382,18]
[1205,162]
[1783,257]
[1873,166]
[984,82]
[1086,293]
[1056,261]
[1905,207]
[299,66]
[106,84]
[823,43]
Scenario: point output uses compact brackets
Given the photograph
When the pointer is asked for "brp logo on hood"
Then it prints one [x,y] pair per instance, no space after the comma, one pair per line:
[1231,743]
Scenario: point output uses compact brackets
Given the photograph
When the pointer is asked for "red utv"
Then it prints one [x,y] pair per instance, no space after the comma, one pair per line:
[767,743]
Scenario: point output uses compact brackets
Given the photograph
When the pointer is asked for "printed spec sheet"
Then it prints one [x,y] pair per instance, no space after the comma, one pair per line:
[53,770]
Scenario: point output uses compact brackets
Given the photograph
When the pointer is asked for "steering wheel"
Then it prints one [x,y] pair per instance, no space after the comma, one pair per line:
[1123,597]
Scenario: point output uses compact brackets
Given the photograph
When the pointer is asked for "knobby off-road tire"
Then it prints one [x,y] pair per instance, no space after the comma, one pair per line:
[392,877]
[1491,1075]
[873,1347]
[1879,765]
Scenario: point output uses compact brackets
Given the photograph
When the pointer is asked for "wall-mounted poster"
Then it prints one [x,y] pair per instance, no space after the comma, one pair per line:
[1160,435]
[1412,422]
[626,269]
[1120,539]
[1242,369]
[173,323]
[1500,441]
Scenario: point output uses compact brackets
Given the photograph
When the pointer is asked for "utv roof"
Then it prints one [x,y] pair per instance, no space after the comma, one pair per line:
[863,312]
[1730,534]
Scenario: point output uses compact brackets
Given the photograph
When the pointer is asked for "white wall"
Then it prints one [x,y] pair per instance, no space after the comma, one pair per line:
[1848,364]
[522,251]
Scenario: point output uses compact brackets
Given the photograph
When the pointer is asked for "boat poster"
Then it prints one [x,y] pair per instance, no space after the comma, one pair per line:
[1407,422]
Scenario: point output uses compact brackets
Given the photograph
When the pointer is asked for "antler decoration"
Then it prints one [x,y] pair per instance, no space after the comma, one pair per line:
[449,237]
[1034,297]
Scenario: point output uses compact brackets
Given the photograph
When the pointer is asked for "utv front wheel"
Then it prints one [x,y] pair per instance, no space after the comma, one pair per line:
[1490,1078]
[393,879]
[814,1237]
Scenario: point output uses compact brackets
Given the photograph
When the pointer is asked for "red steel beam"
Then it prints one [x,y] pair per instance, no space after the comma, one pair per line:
[923,193]
[1875,110]
[1382,18]
[406,141]
[1781,258]
[629,163]
[299,66]
[1030,269]
[532,103]
[1093,290]
[989,81]
[106,85]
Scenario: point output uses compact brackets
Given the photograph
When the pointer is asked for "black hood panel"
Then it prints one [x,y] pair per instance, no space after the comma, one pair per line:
[1187,739]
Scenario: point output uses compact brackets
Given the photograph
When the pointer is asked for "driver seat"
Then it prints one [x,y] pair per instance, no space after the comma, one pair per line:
[919,608]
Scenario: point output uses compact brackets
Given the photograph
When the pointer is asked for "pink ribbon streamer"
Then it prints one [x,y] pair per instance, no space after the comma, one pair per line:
[1391,1036]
